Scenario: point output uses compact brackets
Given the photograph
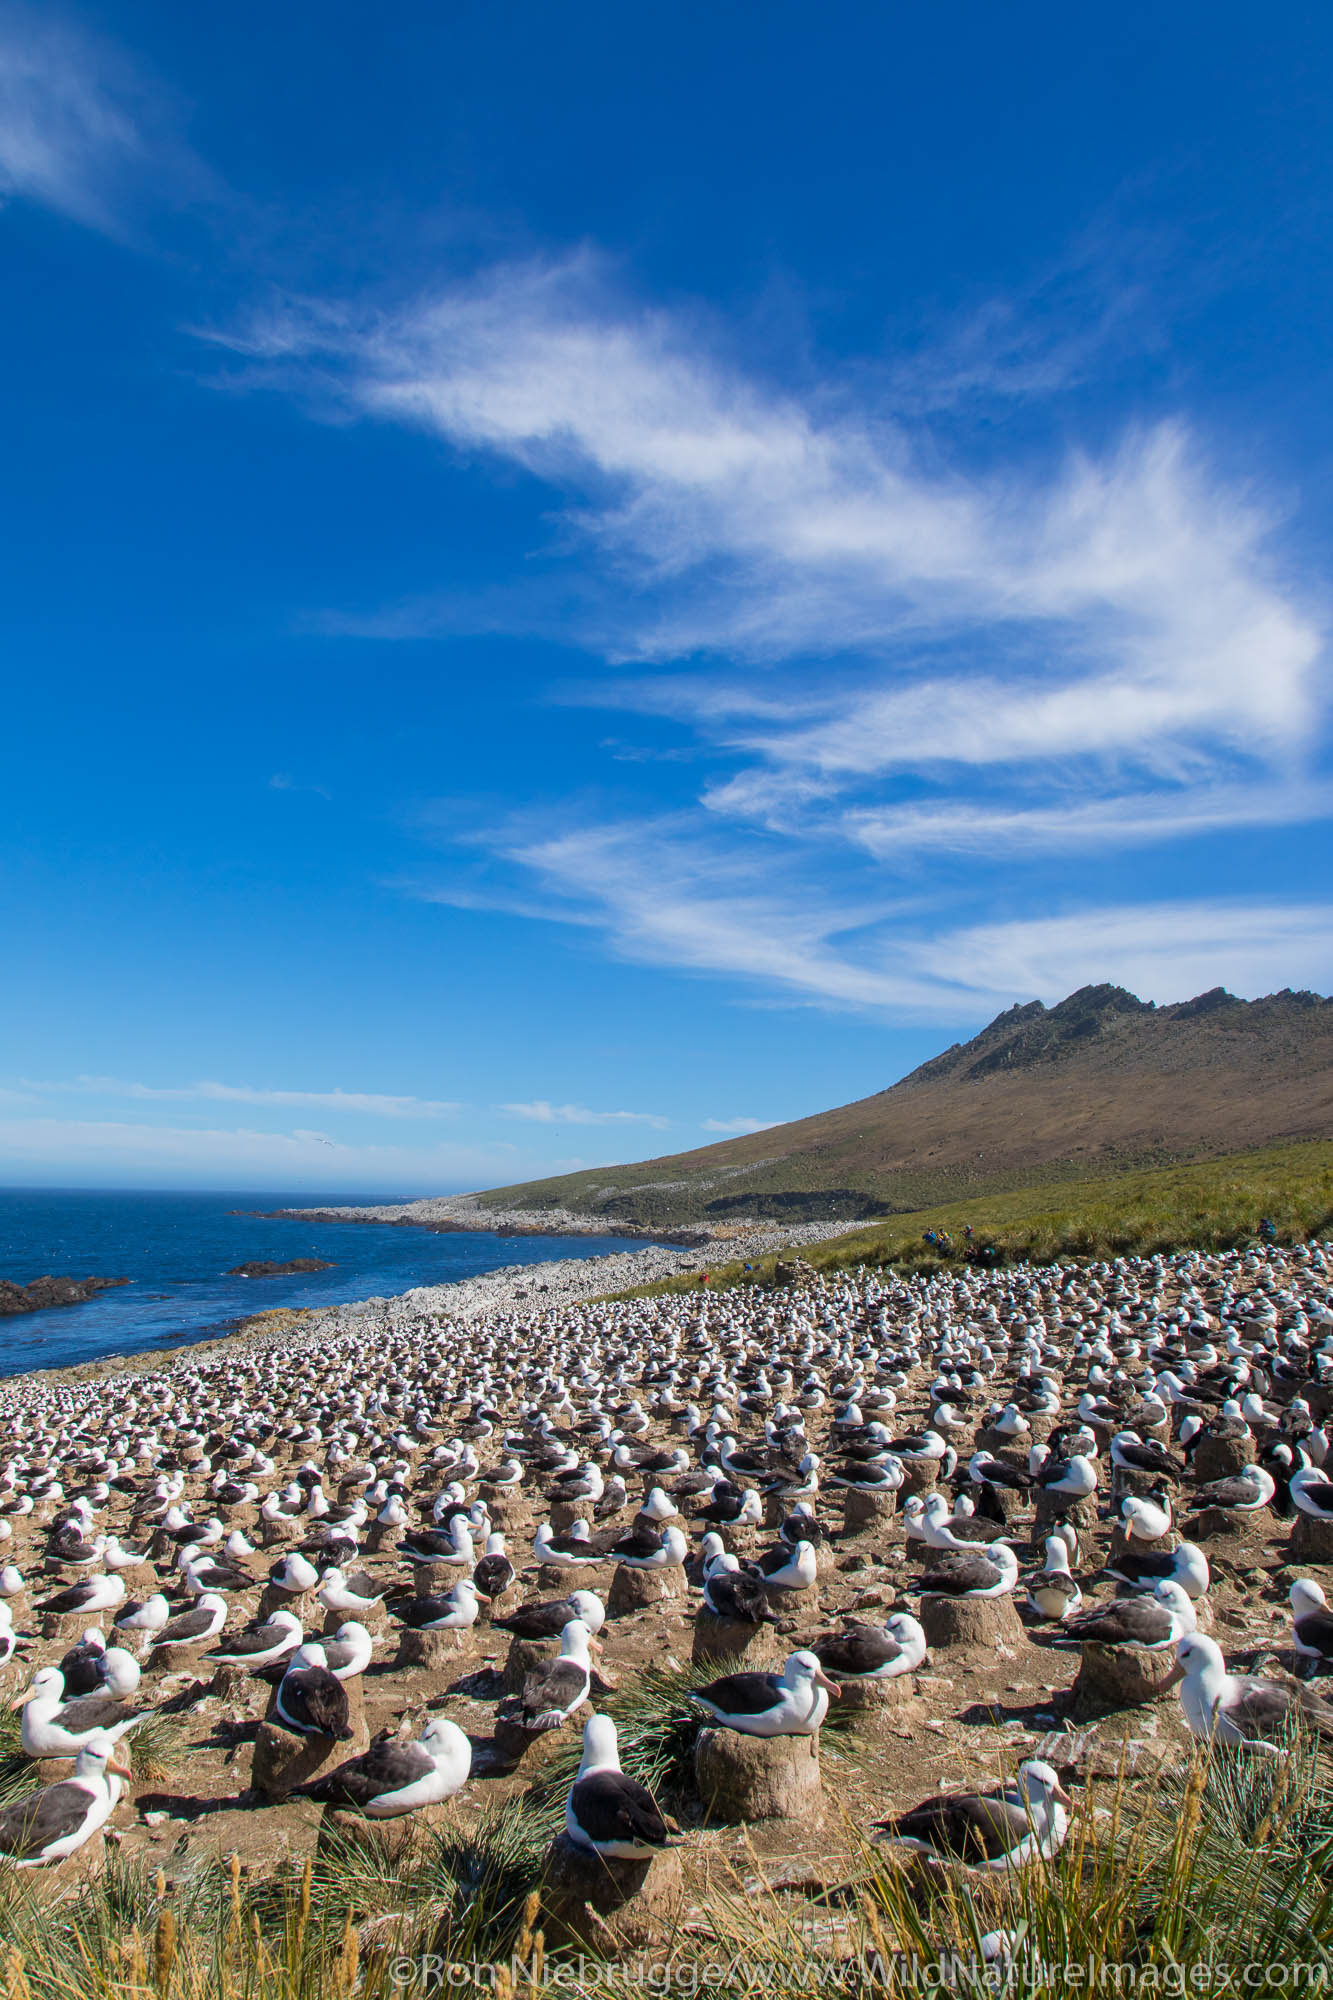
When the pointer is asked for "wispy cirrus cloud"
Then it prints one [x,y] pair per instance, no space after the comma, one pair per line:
[373,1103]
[83,130]
[1163,951]
[664,899]
[737,1125]
[540,1112]
[901,651]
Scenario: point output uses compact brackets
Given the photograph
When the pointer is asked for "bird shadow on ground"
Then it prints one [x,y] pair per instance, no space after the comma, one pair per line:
[486,1684]
[1033,1715]
[192,1807]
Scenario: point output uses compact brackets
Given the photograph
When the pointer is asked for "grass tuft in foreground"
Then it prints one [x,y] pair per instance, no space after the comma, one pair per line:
[1213,1880]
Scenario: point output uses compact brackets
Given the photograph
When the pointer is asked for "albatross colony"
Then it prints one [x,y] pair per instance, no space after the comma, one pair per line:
[390,1519]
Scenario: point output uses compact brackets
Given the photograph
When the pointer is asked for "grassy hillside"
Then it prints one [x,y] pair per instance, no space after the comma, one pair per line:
[1100,1084]
[1210,1205]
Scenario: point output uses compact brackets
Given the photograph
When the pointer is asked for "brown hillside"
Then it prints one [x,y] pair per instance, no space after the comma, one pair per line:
[1101,1081]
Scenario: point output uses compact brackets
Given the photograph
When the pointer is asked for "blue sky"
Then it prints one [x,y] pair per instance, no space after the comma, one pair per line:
[578,579]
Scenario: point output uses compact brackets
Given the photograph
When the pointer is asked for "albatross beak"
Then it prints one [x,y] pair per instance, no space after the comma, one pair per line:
[1062,1796]
[19,1699]
[824,1682]
[120,1770]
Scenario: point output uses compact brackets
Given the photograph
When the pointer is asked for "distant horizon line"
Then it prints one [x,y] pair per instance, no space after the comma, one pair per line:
[363,1195]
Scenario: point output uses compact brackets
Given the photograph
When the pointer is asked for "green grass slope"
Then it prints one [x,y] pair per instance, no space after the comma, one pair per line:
[1209,1205]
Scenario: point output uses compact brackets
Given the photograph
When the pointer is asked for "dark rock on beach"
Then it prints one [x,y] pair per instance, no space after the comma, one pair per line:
[258,1268]
[44,1292]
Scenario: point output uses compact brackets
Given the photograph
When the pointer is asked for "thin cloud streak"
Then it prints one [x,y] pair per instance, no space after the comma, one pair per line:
[231,1157]
[354,1101]
[540,1112]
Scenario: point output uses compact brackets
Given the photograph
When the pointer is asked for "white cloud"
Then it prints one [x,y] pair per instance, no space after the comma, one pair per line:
[925,654]
[1161,951]
[735,1125]
[81,131]
[120,1151]
[539,1112]
[362,1102]
[1018,826]
[667,893]
[1132,587]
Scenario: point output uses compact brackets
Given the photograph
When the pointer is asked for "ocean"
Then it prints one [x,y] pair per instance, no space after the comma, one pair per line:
[176,1249]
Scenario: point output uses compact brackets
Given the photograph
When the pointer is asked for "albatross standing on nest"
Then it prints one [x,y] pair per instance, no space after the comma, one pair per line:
[608,1813]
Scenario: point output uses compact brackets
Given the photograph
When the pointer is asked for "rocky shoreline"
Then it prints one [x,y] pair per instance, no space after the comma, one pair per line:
[526,1288]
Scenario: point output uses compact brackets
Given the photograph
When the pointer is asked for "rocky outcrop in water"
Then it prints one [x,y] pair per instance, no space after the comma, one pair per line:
[45,1292]
[258,1268]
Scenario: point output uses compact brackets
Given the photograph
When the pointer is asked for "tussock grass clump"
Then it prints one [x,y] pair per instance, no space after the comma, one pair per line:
[657,1724]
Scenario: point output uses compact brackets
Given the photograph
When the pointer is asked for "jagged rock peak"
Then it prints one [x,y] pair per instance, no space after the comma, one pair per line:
[1030,1033]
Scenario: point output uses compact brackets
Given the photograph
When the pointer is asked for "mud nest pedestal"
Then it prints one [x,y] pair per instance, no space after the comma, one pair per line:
[879,1701]
[1221,1458]
[436,1579]
[1214,1524]
[272,1599]
[865,1510]
[533,1748]
[1111,1677]
[505,1506]
[524,1657]
[1127,1484]
[981,1623]
[754,1648]
[744,1778]
[437,1651]
[171,1659]
[799,1603]
[391,1840]
[605,1905]
[1311,1540]
[1133,1545]
[636,1589]
[1053,1510]
[918,1477]
[558,1579]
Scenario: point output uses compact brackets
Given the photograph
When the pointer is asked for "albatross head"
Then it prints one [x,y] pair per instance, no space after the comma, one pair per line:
[601,1746]
[97,1755]
[803,1666]
[1202,1660]
[47,1684]
[1040,1784]
[1306,1595]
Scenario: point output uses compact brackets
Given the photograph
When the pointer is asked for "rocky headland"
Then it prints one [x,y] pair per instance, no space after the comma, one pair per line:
[450,1214]
[45,1292]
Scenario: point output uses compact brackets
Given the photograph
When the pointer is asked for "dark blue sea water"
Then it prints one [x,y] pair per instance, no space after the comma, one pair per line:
[176,1248]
